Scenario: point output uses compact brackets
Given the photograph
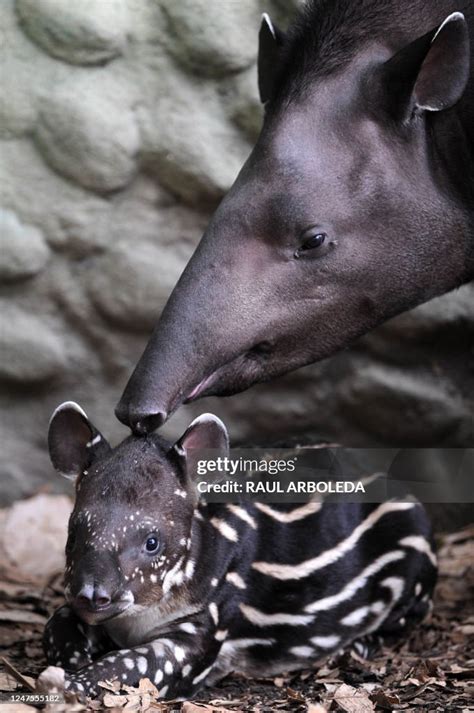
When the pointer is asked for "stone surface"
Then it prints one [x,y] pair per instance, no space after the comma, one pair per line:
[122,125]
[23,249]
[130,283]
[87,131]
[82,32]
[210,37]
[32,351]
[401,408]
[188,142]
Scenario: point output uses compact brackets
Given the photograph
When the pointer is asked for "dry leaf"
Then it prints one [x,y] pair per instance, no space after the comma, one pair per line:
[352,700]
[146,686]
[113,686]
[295,695]
[7,682]
[190,707]
[22,616]
[113,700]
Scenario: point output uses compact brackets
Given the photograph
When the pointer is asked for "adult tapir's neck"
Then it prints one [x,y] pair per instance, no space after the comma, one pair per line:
[452,134]
[453,148]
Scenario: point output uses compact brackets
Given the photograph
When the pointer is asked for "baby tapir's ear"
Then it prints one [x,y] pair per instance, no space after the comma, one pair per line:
[73,441]
[205,437]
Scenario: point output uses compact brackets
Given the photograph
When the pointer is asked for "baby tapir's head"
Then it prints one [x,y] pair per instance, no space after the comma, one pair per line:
[131,522]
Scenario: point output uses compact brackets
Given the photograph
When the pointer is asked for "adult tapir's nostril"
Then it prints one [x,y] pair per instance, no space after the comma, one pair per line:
[147,424]
[93,596]
[260,350]
[141,422]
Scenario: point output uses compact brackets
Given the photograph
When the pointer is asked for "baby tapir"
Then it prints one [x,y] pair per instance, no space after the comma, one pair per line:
[162,585]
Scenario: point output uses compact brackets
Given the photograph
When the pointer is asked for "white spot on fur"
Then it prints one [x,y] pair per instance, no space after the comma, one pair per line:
[356,617]
[94,441]
[224,529]
[242,513]
[174,577]
[235,579]
[214,612]
[298,513]
[303,651]
[189,569]
[419,543]
[179,654]
[325,642]
[142,665]
[188,627]
[260,618]
[202,675]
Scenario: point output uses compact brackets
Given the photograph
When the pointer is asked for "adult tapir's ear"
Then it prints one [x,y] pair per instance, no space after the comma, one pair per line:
[270,41]
[431,73]
[205,437]
[73,441]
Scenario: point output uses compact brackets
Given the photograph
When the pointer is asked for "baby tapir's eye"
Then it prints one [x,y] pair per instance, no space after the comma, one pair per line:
[152,543]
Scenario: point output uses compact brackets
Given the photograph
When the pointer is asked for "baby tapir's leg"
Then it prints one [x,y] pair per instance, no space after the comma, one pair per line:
[178,665]
[71,644]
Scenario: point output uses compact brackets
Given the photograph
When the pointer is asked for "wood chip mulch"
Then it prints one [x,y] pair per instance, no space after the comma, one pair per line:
[431,671]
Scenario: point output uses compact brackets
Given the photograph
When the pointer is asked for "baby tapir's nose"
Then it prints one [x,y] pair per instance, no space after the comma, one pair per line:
[96,582]
[93,596]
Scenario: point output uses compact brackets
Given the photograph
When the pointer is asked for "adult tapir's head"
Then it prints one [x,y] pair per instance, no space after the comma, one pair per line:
[344,215]
[129,535]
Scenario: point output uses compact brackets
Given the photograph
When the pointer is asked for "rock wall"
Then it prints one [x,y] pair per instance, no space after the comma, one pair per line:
[122,124]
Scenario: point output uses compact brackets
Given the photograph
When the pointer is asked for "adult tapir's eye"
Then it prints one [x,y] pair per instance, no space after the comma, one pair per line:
[152,544]
[310,240]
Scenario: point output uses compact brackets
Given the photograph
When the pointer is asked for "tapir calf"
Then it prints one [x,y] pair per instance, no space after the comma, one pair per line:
[162,585]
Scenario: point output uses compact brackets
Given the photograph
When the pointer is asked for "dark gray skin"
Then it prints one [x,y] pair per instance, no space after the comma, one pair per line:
[357,203]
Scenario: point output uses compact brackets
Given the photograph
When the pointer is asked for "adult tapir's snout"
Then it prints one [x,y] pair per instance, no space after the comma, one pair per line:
[210,337]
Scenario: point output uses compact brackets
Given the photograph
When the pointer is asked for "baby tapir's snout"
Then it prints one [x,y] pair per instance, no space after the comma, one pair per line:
[96,587]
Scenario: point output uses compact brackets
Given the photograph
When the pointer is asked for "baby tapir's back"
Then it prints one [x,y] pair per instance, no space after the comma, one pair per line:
[308,580]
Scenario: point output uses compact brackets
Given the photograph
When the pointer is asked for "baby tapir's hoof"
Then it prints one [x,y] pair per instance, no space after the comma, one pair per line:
[164,586]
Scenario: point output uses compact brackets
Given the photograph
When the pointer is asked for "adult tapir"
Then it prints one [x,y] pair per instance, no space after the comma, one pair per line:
[357,202]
